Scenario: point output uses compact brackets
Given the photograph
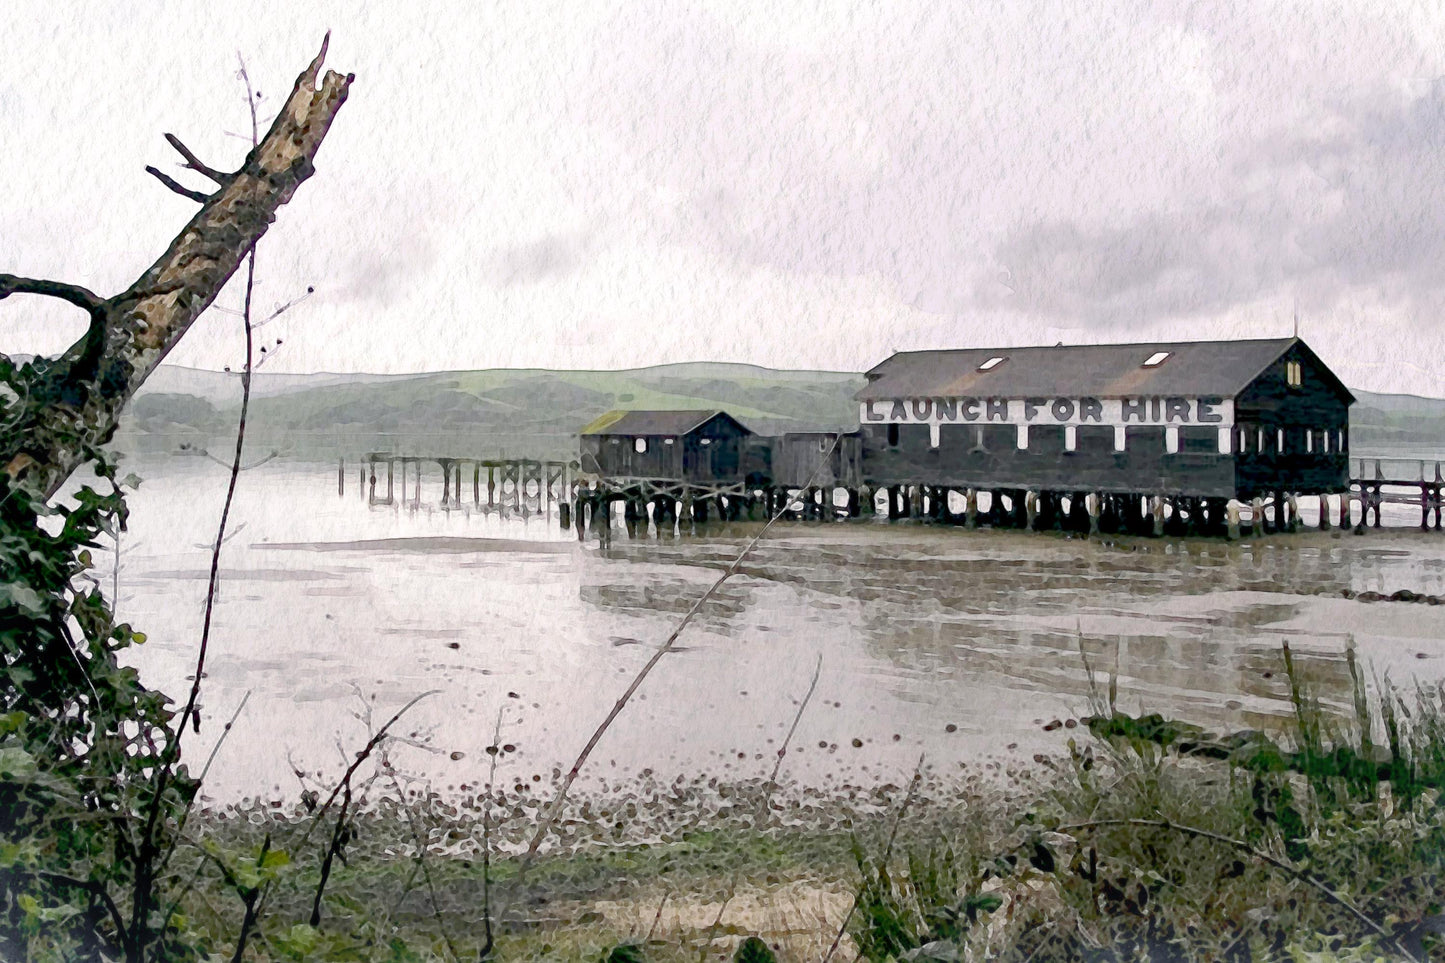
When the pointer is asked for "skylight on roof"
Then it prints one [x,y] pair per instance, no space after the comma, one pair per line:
[1156,359]
[991,363]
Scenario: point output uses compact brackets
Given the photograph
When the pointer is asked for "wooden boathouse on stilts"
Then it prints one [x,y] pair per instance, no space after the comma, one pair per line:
[1143,438]
[668,466]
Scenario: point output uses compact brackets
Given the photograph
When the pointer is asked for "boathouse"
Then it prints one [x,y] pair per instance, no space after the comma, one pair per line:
[697,447]
[1207,420]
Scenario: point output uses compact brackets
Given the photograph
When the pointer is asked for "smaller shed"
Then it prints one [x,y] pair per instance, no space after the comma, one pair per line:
[802,459]
[701,447]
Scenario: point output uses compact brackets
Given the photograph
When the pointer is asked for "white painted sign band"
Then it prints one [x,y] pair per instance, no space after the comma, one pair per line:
[1150,410]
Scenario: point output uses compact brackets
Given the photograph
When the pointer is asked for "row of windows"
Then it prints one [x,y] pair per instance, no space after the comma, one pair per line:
[640,446]
[1249,439]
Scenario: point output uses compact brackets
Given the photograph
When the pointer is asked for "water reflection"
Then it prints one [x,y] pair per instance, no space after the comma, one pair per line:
[957,643]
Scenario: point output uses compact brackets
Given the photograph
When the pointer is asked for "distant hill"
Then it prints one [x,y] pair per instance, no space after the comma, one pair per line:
[533,412]
[537,412]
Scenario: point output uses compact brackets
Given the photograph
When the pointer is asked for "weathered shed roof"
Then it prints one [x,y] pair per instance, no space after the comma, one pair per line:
[672,423]
[1192,369]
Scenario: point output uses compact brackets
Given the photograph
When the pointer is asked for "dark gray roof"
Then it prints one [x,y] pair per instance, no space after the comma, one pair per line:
[1193,369]
[673,423]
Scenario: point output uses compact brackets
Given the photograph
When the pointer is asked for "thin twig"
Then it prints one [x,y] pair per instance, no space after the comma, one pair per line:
[783,749]
[765,805]
[494,751]
[887,853]
[195,164]
[421,851]
[1260,855]
[343,785]
[166,179]
[555,809]
[655,918]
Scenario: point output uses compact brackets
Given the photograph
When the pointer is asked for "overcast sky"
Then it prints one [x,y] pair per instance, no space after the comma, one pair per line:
[801,185]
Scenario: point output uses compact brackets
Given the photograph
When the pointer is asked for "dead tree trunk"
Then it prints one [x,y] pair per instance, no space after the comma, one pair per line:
[62,406]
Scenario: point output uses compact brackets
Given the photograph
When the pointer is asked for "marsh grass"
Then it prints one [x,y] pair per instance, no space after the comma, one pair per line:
[1144,838]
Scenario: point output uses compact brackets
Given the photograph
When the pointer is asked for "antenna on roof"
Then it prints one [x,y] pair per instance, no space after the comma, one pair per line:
[1296,319]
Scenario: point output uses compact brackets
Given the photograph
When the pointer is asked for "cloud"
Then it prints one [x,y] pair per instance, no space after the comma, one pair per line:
[546,258]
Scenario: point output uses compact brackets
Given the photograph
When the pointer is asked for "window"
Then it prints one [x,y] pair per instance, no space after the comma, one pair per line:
[667,441]
[1071,438]
[892,436]
[991,363]
[934,433]
[614,441]
[639,445]
[1325,441]
[1259,442]
[1293,374]
[1279,440]
[1226,435]
[1340,440]
[1243,440]
[822,444]
[1309,441]
[704,442]
[1023,437]
[1171,439]
[1156,359]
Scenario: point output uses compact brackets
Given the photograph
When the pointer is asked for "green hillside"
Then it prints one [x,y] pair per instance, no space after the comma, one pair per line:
[530,412]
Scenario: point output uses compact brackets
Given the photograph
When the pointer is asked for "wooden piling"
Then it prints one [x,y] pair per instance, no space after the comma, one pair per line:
[1156,510]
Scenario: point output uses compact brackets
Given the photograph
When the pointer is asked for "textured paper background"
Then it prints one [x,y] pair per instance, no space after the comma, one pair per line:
[795,185]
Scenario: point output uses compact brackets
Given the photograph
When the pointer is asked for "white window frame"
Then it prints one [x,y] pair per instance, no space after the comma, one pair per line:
[1171,439]
[1071,438]
[993,362]
[639,445]
[1156,359]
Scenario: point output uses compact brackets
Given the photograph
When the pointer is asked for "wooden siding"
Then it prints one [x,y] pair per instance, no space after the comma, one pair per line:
[712,452]
[1271,404]
[960,461]
[797,455]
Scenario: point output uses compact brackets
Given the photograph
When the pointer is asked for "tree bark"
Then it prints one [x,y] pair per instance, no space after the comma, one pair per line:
[73,402]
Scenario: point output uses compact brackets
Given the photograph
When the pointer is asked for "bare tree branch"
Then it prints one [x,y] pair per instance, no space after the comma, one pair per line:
[82,298]
[90,383]
[173,184]
[195,164]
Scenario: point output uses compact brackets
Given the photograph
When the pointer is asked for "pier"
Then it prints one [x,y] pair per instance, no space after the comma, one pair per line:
[583,499]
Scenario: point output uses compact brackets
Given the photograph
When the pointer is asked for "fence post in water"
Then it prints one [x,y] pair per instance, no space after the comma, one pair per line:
[1156,509]
[1093,503]
[1324,512]
[341,477]
[970,508]
[1345,509]
[1031,510]
[1231,526]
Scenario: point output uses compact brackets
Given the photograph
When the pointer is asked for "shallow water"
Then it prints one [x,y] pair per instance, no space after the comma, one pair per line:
[938,640]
